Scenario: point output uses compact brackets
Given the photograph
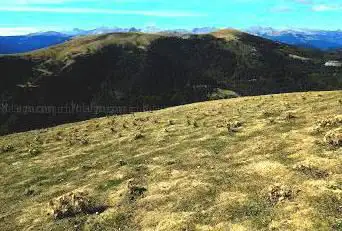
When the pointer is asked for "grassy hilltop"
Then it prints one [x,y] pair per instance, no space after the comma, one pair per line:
[252,163]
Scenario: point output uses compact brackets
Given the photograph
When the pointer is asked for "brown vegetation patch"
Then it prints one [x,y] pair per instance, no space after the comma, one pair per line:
[289,116]
[135,190]
[139,136]
[76,138]
[72,204]
[7,148]
[34,150]
[334,138]
[278,193]
[330,122]
[311,171]
[234,126]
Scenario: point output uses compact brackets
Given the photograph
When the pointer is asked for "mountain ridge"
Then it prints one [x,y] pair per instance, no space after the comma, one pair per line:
[137,69]
[39,40]
[31,42]
[319,39]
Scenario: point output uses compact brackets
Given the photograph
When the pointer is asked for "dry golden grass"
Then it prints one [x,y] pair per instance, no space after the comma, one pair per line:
[90,44]
[254,163]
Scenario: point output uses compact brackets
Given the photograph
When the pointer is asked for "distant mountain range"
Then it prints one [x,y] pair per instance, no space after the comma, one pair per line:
[30,42]
[25,43]
[319,39]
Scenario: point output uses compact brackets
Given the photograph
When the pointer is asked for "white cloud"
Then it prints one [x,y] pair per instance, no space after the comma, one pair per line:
[102,11]
[281,9]
[54,2]
[27,2]
[324,7]
[9,31]
[304,1]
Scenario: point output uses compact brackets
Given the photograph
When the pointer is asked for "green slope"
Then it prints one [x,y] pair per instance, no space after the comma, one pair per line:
[252,163]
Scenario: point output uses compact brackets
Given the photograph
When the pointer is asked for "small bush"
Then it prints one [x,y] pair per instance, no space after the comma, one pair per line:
[139,136]
[334,185]
[267,114]
[29,192]
[58,138]
[311,171]
[134,190]
[338,225]
[122,163]
[7,148]
[330,122]
[83,140]
[196,124]
[78,139]
[38,140]
[278,193]
[34,150]
[113,130]
[234,126]
[334,138]
[71,204]
[222,94]
[289,116]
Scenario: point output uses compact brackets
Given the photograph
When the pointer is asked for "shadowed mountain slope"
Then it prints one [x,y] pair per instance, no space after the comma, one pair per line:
[135,69]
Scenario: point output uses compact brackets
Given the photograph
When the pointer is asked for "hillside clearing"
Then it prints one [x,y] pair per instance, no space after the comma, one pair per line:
[253,163]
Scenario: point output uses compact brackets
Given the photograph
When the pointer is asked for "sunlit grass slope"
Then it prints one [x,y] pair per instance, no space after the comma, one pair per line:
[256,163]
[92,44]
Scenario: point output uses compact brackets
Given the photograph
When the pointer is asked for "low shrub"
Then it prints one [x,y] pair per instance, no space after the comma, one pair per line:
[139,136]
[234,126]
[330,122]
[334,138]
[311,171]
[196,124]
[72,204]
[7,148]
[135,190]
[289,116]
[278,193]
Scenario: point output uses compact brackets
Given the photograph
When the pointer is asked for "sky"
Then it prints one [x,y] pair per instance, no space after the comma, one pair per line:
[27,16]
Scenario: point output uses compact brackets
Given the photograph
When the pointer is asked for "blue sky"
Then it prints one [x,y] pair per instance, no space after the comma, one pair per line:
[25,16]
